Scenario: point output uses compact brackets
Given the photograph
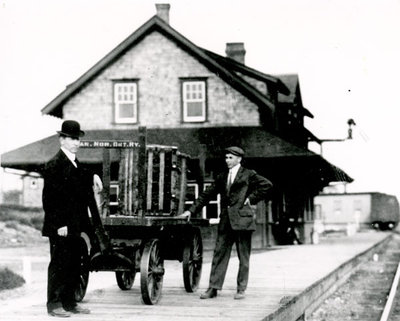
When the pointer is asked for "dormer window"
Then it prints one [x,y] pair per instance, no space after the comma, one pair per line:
[125,102]
[194,100]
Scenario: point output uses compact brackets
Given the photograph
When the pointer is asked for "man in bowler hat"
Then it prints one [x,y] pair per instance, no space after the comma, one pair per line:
[66,193]
[240,188]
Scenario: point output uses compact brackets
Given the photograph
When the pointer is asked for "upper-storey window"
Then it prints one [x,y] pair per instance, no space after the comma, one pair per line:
[125,102]
[194,100]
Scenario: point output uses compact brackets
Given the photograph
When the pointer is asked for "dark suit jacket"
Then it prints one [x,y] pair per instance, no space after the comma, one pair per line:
[247,184]
[66,195]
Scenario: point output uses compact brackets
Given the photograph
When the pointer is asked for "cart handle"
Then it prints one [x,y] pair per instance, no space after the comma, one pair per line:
[187,215]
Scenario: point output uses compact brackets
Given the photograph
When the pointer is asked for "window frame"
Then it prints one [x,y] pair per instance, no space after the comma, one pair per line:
[116,102]
[184,100]
[216,201]
[114,185]
[196,192]
[337,207]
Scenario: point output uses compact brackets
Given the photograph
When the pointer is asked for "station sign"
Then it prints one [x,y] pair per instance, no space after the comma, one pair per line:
[108,144]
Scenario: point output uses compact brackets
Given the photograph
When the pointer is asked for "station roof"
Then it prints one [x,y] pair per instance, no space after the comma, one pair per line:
[256,142]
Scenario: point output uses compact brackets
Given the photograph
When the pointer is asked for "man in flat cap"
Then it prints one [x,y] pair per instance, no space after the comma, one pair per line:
[240,188]
[66,194]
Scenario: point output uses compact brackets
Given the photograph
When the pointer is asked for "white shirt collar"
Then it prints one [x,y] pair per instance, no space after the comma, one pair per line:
[234,170]
[71,156]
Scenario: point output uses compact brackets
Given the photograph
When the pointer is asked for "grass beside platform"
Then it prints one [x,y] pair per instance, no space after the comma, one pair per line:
[9,280]
[29,216]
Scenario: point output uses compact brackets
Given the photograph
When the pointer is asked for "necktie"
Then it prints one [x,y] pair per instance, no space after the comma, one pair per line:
[228,185]
[76,162]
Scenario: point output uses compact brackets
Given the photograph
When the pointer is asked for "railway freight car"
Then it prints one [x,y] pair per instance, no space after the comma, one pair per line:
[354,211]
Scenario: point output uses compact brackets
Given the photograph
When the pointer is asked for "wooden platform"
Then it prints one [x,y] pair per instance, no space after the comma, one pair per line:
[284,281]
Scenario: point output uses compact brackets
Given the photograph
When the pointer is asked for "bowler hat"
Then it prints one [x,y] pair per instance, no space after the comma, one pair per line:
[71,128]
[234,150]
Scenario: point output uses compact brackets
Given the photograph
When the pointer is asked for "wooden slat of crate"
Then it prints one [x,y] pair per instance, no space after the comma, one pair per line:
[149,191]
[106,181]
[161,181]
[141,173]
[130,181]
[174,189]
[122,181]
[135,176]
[182,188]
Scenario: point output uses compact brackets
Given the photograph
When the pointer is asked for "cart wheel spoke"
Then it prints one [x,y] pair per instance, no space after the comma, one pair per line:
[151,272]
[125,279]
[83,281]
[192,260]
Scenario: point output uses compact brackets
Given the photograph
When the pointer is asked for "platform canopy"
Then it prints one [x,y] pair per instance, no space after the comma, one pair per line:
[256,142]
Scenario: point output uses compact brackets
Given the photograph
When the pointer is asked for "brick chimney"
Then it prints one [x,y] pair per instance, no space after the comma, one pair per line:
[163,11]
[236,51]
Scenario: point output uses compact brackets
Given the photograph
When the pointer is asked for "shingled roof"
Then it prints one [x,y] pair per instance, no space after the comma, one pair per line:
[210,60]
[232,64]
[291,81]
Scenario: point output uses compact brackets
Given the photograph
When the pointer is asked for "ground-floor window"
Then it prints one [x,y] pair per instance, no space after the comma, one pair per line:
[212,210]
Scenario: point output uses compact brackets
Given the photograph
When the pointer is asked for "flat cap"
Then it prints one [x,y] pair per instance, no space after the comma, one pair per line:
[234,150]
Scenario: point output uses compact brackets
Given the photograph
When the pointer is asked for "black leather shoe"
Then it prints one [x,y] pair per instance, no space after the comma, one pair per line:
[209,294]
[239,295]
[79,310]
[59,312]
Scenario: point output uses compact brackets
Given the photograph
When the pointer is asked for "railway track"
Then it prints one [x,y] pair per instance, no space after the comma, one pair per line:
[392,306]
[371,292]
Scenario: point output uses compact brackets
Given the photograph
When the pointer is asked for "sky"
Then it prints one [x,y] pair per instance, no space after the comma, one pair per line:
[345,52]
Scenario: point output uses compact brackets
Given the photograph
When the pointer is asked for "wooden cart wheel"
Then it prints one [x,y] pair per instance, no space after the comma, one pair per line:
[151,272]
[192,261]
[84,272]
[125,279]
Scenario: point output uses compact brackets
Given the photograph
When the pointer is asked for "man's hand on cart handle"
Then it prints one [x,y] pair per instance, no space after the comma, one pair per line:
[97,184]
[62,231]
[185,214]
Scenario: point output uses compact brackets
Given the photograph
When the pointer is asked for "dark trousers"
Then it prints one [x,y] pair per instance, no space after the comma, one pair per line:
[63,272]
[223,247]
